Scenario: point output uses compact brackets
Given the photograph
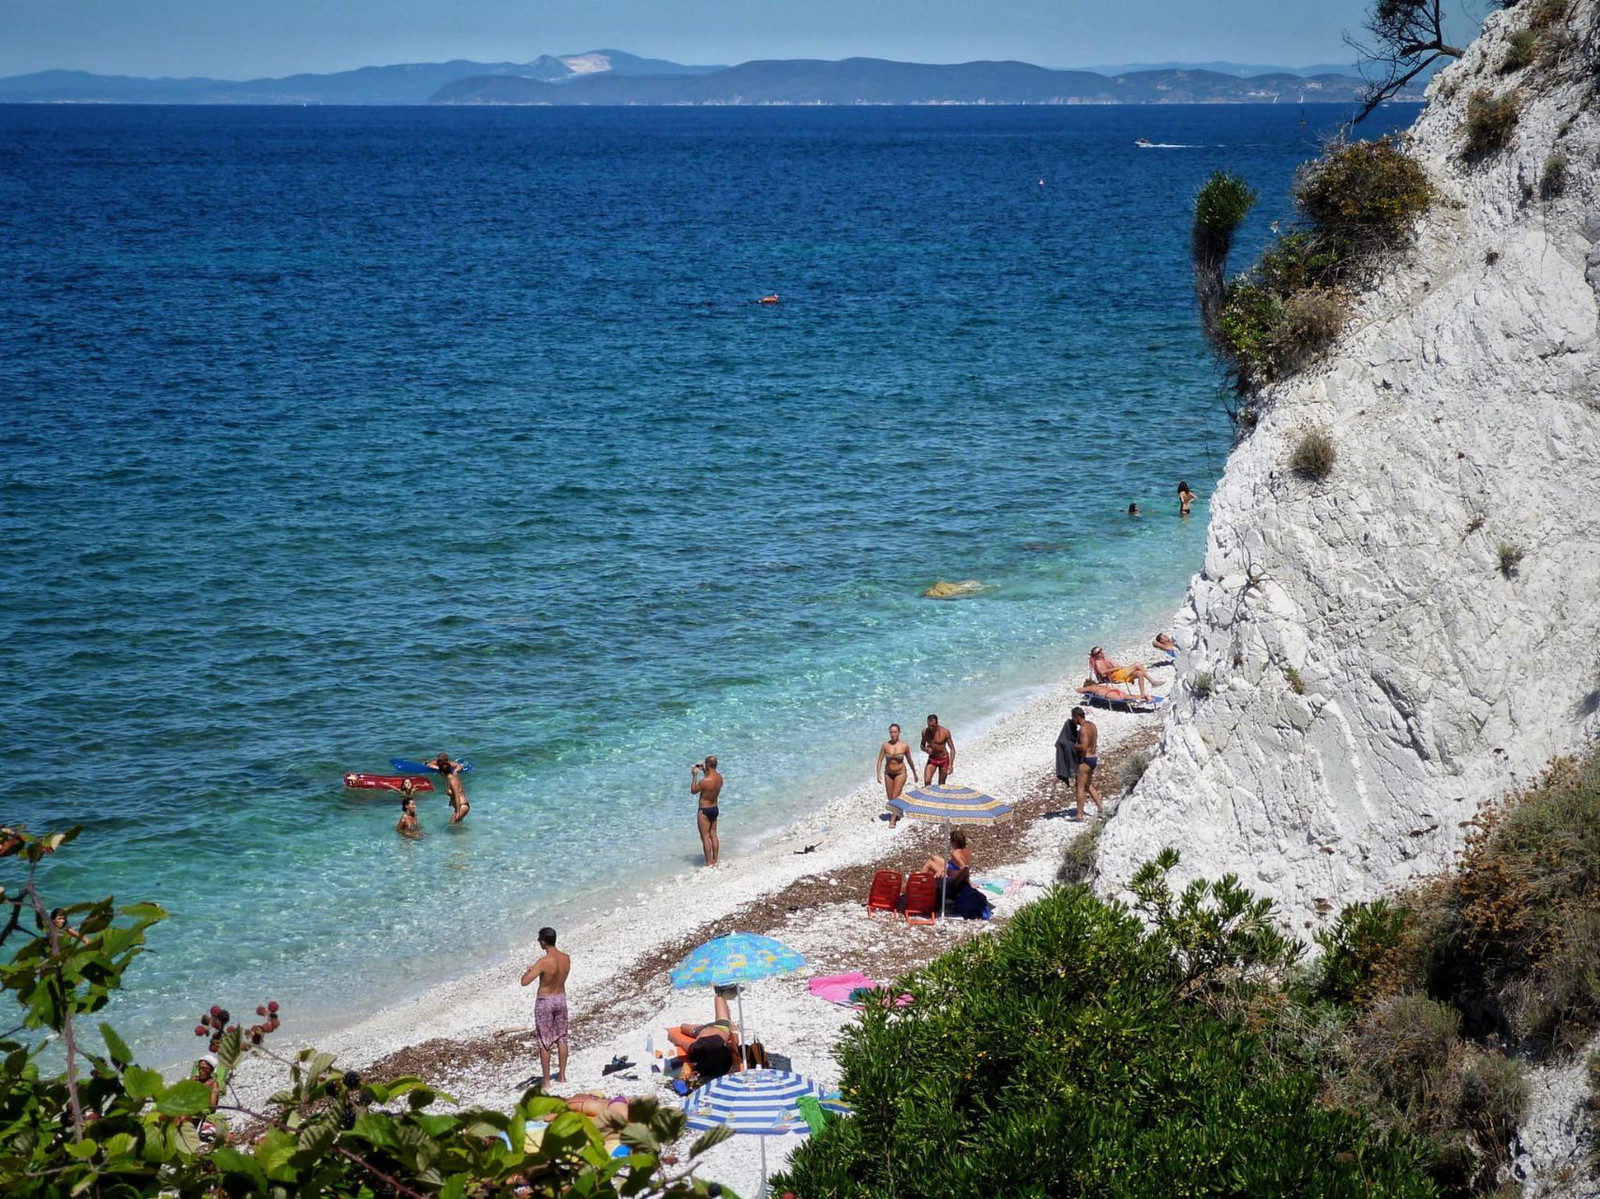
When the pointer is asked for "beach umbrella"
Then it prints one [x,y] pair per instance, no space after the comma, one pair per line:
[762,1103]
[736,958]
[935,801]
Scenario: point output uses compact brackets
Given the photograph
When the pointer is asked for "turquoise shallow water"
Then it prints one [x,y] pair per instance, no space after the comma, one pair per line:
[343,434]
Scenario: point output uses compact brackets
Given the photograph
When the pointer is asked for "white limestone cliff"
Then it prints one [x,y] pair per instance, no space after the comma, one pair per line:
[1464,404]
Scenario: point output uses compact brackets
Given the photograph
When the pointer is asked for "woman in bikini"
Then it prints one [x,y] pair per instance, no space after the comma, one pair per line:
[893,756]
[1185,499]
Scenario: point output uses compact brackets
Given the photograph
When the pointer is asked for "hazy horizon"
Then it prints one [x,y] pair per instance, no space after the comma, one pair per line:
[189,38]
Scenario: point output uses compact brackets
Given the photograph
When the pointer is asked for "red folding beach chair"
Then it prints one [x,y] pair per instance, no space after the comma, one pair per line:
[885,893]
[922,898]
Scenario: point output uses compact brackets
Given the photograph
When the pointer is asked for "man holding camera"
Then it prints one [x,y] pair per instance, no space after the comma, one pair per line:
[706,782]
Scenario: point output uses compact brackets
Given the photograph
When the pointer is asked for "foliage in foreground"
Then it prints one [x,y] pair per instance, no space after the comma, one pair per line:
[1078,1053]
[104,1126]
[1357,204]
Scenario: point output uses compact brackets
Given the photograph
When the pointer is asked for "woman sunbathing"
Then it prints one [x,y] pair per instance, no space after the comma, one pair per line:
[1112,695]
[1105,670]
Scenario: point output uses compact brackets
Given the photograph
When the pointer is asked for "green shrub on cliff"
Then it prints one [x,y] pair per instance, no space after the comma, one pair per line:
[1078,1053]
[1357,202]
[1491,120]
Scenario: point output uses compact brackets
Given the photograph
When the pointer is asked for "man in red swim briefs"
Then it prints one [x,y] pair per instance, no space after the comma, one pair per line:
[550,1009]
[940,747]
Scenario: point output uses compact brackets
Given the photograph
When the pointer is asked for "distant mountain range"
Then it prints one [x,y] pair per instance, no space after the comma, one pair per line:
[610,77]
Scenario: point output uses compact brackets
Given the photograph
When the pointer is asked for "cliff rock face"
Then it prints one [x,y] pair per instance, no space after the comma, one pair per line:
[1380,658]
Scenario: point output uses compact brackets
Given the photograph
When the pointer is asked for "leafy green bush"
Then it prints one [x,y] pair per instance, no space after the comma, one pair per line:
[1512,936]
[1292,676]
[1358,201]
[1313,455]
[1065,1056]
[1553,179]
[1202,685]
[101,1125]
[1491,120]
[1364,195]
[1356,952]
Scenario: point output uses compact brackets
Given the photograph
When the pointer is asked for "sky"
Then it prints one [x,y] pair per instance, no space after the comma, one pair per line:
[244,39]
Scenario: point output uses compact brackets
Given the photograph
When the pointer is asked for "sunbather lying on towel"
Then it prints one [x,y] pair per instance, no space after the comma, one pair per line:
[1105,670]
[708,1049]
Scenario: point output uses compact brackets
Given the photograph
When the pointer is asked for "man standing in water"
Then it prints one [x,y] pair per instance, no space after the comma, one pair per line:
[1088,759]
[706,782]
[550,1008]
[940,747]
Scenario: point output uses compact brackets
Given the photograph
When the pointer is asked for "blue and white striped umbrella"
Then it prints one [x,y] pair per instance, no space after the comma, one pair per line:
[765,1103]
[936,801]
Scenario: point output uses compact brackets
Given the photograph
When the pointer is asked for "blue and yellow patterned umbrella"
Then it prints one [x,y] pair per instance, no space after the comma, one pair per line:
[736,958]
[936,801]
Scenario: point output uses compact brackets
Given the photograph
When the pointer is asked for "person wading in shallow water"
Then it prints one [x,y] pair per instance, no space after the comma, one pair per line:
[459,807]
[940,746]
[550,1008]
[705,781]
[895,763]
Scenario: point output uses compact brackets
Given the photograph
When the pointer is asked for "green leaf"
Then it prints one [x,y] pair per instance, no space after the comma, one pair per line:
[82,1149]
[141,1083]
[186,1098]
[115,1046]
[376,1129]
[228,1050]
[709,1139]
[455,1187]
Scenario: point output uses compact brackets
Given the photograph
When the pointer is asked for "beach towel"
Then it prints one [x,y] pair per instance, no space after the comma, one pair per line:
[1131,703]
[1067,752]
[842,989]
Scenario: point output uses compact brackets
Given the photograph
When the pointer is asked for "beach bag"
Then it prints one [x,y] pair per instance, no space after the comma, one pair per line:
[755,1056]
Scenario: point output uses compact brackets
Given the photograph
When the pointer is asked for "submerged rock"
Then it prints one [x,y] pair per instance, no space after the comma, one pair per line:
[944,590]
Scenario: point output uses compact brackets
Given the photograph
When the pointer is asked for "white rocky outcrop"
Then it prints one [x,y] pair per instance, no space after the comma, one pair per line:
[1374,674]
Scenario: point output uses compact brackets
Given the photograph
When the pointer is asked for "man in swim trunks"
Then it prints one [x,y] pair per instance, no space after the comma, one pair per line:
[451,769]
[550,1008]
[705,781]
[1166,645]
[409,825]
[1088,759]
[1105,670]
[940,747]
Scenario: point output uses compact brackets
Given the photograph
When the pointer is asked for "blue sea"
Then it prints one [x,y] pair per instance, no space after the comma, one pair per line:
[342,434]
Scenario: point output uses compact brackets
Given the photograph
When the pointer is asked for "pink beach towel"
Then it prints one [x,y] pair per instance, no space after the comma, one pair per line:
[837,988]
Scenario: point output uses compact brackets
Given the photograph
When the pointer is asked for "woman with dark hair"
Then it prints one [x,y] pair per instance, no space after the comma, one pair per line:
[1185,499]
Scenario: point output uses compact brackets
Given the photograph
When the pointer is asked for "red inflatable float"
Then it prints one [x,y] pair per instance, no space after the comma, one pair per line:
[386,782]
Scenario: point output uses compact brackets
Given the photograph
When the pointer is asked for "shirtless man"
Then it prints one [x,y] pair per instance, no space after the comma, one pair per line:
[706,782]
[409,825]
[1105,670]
[940,747]
[1088,759]
[550,1008]
[457,794]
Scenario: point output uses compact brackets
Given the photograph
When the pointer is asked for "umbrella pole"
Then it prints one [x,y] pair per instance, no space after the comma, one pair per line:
[762,1193]
[744,1040]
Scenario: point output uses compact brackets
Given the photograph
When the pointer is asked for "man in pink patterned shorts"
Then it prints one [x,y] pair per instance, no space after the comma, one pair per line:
[550,1009]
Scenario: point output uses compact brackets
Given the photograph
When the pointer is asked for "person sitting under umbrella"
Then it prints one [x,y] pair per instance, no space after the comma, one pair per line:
[961,898]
